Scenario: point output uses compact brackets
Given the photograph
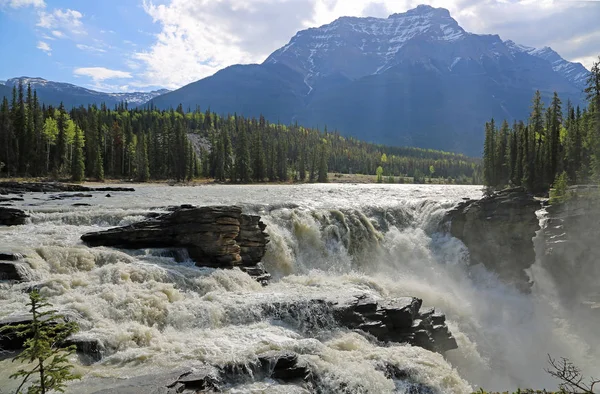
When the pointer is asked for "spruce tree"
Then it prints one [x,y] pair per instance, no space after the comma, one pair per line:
[60,157]
[324,157]
[242,157]
[42,349]
[78,160]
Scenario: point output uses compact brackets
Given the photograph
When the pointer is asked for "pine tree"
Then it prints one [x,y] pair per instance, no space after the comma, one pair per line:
[302,165]
[46,333]
[489,155]
[78,160]
[60,158]
[593,96]
[242,157]
[143,167]
[324,157]
[258,155]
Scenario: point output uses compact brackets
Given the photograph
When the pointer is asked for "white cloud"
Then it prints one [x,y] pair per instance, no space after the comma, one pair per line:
[99,74]
[44,47]
[68,20]
[23,3]
[200,37]
[58,33]
[132,65]
[90,48]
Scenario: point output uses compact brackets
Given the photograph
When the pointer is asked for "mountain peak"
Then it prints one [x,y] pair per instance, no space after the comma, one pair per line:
[425,10]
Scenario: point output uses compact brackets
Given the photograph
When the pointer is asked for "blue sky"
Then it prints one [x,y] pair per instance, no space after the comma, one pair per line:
[141,45]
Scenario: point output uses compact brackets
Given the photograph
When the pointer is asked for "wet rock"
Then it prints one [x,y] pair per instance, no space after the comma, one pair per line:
[65,196]
[396,320]
[258,272]
[283,366]
[12,271]
[180,381]
[499,232]
[89,350]
[7,199]
[52,187]
[252,239]
[9,340]
[6,256]
[81,204]
[219,236]
[108,195]
[12,216]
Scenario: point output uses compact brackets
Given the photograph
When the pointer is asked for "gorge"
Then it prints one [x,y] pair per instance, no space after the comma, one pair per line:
[355,272]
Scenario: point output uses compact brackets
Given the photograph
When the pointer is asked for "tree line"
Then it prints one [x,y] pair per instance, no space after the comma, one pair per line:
[558,145]
[141,144]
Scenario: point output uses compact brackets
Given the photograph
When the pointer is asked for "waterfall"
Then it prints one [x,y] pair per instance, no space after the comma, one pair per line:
[155,311]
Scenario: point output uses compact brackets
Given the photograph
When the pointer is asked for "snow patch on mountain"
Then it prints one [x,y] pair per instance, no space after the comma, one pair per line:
[134,98]
[576,73]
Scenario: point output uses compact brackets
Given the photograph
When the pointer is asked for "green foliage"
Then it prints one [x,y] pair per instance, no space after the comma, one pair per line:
[49,367]
[379,173]
[146,144]
[558,193]
[551,148]
[519,391]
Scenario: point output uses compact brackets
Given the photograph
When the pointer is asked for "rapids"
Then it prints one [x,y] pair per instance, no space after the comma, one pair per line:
[158,314]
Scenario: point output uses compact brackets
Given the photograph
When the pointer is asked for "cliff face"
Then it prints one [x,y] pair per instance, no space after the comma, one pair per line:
[572,247]
[499,232]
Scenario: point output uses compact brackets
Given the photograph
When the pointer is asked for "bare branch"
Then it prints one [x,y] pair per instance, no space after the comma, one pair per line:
[570,376]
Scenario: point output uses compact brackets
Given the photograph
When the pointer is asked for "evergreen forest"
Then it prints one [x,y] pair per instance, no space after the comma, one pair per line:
[559,144]
[145,144]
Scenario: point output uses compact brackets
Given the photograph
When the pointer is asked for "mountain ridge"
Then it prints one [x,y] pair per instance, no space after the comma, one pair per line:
[415,78]
[52,92]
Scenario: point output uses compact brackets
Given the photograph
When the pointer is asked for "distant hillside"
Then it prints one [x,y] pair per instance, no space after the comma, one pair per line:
[53,93]
[416,78]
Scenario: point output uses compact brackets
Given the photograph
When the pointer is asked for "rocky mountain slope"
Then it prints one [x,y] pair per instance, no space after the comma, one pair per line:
[416,78]
[53,93]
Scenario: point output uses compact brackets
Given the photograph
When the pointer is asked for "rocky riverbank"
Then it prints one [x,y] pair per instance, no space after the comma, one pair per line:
[53,187]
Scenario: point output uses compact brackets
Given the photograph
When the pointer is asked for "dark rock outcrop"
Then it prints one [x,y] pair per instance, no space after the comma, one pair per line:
[218,236]
[12,216]
[398,320]
[89,350]
[12,271]
[53,187]
[499,232]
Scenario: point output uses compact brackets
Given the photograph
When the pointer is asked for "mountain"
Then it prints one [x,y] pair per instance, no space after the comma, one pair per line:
[53,93]
[415,78]
[575,73]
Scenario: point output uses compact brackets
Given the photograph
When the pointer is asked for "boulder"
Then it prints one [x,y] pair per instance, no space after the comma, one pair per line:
[498,230]
[89,350]
[13,271]
[218,236]
[180,381]
[12,216]
[283,366]
[396,320]
[9,256]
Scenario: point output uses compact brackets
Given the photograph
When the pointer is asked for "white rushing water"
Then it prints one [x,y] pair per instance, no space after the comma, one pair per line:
[156,314]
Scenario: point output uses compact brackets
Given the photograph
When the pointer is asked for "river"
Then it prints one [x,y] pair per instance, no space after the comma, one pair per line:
[158,314]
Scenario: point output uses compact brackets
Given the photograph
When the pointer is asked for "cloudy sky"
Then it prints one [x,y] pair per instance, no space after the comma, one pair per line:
[129,45]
